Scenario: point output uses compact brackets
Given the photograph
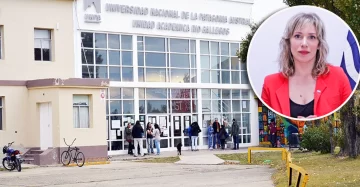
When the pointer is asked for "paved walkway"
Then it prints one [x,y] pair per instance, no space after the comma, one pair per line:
[208,159]
[201,157]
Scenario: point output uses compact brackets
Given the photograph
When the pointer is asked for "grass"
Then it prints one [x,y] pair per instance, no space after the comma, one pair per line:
[161,160]
[323,169]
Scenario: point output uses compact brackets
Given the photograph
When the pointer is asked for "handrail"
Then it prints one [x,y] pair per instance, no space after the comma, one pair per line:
[302,174]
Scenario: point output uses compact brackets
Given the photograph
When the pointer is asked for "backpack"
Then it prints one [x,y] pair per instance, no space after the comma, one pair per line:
[189,130]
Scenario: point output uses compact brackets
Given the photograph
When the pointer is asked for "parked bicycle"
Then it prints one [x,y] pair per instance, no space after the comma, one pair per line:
[68,156]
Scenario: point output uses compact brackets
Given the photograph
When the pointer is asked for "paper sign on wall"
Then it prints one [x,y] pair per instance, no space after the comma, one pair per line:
[115,124]
[163,122]
[244,104]
[177,125]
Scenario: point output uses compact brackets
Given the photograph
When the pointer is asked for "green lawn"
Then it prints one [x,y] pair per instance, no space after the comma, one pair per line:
[161,160]
[323,169]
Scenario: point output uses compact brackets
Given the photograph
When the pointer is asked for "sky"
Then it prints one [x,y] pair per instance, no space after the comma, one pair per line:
[262,8]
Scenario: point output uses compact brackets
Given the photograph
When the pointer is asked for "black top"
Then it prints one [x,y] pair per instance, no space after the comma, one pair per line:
[149,135]
[137,131]
[301,110]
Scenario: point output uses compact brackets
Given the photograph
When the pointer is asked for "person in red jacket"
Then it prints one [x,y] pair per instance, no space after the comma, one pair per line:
[307,86]
[272,128]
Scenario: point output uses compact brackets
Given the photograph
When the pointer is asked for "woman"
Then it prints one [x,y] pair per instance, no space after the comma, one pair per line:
[156,134]
[307,86]
[129,138]
[149,138]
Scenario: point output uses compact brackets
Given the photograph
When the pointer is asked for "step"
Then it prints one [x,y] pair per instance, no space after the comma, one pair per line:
[28,160]
[36,152]
[29,155]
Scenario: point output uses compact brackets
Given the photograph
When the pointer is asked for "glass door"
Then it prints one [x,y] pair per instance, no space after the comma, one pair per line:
[180,124]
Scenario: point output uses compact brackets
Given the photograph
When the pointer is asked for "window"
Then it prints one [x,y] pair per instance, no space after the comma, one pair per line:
[1,112]
[42,44]
[1,47]
[81,111]
[219,63]
[107,56]
[166,60]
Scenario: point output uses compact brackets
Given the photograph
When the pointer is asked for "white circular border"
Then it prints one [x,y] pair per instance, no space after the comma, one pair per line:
[253,88]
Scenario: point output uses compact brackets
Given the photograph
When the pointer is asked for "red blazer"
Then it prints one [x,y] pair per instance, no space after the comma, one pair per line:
[331,91]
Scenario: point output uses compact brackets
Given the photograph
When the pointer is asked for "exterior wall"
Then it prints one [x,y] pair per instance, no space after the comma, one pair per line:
[37,96]
[18,20]
[15,118]
[93,136]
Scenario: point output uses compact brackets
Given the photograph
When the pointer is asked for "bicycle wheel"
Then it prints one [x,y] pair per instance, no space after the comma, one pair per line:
[80,159]
[65,158]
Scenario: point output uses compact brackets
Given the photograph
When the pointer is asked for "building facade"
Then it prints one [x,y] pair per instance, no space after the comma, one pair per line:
[168,62]
[41,101]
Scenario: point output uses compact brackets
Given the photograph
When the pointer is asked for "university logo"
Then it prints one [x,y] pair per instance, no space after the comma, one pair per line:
[93,18]
[96,3]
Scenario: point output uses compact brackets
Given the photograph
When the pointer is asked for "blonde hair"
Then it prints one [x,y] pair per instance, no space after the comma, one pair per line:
[286,60]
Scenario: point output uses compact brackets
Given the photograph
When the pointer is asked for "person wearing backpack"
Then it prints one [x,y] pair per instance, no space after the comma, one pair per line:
[189,131]
[195,129]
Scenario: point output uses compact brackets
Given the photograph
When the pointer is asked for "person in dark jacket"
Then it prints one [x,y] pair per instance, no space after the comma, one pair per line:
[216,127]
[222,136]
[138,133]
[272,128]
[195,129]
[129,138]
[235,134]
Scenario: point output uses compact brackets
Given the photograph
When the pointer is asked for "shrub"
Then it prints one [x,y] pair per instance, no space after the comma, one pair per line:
[317,138]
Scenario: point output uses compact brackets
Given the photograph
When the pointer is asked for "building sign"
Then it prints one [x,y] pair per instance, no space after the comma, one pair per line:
[144,13]
[92,18]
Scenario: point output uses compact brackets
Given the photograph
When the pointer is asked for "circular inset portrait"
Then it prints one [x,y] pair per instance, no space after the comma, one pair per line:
[303,62]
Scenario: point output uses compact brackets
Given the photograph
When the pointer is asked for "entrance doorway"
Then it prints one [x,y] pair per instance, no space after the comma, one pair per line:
[165,128]
[46,134]
[181,122]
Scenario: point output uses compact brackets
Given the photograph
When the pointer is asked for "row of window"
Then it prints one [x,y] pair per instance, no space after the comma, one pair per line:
[162,101]
[115,93]
[126,74]
[42,44]
[160,59]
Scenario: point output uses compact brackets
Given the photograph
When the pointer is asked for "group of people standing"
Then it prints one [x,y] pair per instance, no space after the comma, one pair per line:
[217,134]
[135,136]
